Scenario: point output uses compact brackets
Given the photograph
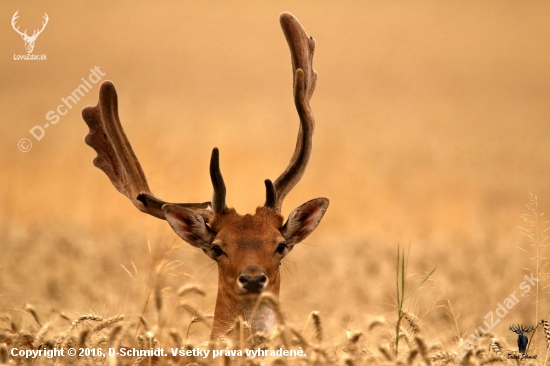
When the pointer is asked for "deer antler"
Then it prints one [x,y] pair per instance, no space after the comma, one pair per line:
[521,328]
[218,197]
[36,33]
[117,159]
[13,19]
[530,328]
[304,77]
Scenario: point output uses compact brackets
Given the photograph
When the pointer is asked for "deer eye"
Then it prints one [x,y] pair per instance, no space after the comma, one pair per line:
[281,248]
[217,250]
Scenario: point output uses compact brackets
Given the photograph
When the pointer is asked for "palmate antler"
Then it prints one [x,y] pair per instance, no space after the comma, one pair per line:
[117,159]
[304,77]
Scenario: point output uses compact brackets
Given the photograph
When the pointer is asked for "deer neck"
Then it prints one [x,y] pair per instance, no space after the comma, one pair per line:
[230,307]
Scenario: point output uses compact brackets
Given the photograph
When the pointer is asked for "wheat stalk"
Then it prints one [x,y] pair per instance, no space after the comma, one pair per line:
[83,337]
[412,355]
[143,322]
[39,338]
[197,316]
[353,337]
[442,357]
[31,310]
[536,232]
[108,322]
[190,289]
[317,325]
[348,361]
[301,340]
[86,317]
[422,349]
[114,336]
[4,355]
[412,321]
[176,337]
[377,322]
[546,331]
[491,360]
[496,347]
[386,353]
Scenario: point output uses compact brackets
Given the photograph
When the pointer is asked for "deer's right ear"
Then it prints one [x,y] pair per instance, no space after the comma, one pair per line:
[189,225]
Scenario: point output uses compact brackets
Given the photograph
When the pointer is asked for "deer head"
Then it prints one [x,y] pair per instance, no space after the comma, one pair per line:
[29,40]
[248,249]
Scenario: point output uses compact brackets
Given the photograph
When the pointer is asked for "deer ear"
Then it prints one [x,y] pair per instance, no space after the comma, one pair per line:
[189,225]
[303,220]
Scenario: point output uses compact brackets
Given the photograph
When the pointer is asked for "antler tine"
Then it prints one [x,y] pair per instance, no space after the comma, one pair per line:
[218,197]
[43,25]
[13,19]
[116,158]
[304,77]
[270,195]
[527,329]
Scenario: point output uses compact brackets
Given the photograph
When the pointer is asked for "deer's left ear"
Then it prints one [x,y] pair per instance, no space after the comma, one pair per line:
[303,220]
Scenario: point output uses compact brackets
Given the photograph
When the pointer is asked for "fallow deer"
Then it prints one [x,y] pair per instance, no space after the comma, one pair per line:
[247,249]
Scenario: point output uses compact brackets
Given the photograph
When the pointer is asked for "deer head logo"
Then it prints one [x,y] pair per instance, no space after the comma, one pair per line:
[523,341]
[29,40]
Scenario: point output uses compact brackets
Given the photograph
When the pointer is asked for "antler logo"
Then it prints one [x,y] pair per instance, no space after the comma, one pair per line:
[29,40]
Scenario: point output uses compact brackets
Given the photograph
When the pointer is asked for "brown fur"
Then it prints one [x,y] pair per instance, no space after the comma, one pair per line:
[248,241]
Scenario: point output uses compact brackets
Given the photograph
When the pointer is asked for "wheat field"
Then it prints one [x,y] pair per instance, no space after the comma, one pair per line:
[432,134]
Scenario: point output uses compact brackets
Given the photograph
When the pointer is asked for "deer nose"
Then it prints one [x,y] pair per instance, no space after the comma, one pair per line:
[252,283]
[252,279]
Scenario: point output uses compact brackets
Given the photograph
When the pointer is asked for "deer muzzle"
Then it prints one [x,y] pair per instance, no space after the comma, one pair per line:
[252,279]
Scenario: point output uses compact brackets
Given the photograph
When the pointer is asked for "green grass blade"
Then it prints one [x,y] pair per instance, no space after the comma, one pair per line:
[424,280]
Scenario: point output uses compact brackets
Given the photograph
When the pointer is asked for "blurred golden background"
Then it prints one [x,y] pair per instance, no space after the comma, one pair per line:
[432,127]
